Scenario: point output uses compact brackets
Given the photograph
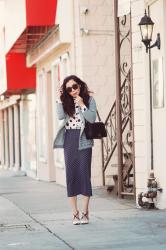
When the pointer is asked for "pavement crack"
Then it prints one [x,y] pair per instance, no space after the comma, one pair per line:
[48,229]
[42,225]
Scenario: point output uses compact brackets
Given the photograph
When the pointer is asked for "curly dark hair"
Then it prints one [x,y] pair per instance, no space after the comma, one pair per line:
[67,100]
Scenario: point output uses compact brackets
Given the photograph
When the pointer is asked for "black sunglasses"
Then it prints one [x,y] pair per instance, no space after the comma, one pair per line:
[74,86]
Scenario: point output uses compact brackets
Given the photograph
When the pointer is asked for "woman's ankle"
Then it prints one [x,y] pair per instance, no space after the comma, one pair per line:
[75,211]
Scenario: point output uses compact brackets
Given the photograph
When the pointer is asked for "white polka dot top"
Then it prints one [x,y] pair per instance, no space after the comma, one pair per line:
[75,122]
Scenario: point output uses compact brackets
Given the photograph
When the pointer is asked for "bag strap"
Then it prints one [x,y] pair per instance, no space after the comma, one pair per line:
[98,115]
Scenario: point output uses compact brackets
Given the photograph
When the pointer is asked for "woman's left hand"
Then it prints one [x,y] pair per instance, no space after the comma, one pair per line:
[79,101]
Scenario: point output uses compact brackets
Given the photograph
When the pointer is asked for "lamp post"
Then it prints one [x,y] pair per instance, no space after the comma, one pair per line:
[146,27]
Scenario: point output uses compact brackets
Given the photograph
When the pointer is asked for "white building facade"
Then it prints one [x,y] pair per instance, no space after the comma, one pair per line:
[77,42]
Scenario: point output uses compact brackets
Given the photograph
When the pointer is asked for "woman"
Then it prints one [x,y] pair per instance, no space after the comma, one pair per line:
[75,106]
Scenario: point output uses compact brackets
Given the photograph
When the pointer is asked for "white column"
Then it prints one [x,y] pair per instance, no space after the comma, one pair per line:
[6,138]
[17,137]
[24,132]
[2,144]
[11,136]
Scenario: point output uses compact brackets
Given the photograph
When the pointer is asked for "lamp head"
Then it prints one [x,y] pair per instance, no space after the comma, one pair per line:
[146,27]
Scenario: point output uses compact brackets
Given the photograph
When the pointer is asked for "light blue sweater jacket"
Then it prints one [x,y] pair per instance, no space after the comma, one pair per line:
[89,115]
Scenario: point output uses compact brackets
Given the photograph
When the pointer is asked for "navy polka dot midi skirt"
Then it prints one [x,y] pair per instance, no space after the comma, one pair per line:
[78,165]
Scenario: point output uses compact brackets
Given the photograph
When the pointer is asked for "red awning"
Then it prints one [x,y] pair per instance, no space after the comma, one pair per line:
[20,79]
[40,18]
[40,12]
[30,37]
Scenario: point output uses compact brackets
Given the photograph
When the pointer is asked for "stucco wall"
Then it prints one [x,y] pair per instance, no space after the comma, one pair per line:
[157,12]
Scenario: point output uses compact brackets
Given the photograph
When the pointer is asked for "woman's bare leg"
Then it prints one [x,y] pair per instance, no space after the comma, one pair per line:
[85,203]
[73,202]
[85,212]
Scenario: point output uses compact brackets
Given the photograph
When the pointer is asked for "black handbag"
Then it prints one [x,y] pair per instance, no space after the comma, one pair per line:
[95,130]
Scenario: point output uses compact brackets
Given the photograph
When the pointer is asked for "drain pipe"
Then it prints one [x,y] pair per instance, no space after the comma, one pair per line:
[118,100]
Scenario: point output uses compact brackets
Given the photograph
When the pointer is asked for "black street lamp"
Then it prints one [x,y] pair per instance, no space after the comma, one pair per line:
[146,26]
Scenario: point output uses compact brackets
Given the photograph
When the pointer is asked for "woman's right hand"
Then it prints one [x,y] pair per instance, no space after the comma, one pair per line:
[59,91]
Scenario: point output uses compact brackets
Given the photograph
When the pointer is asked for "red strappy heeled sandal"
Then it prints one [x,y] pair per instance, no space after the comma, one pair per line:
[76,218]
[84,218]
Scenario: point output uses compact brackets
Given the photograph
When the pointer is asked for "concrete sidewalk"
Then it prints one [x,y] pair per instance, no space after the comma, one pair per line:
[35,215]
